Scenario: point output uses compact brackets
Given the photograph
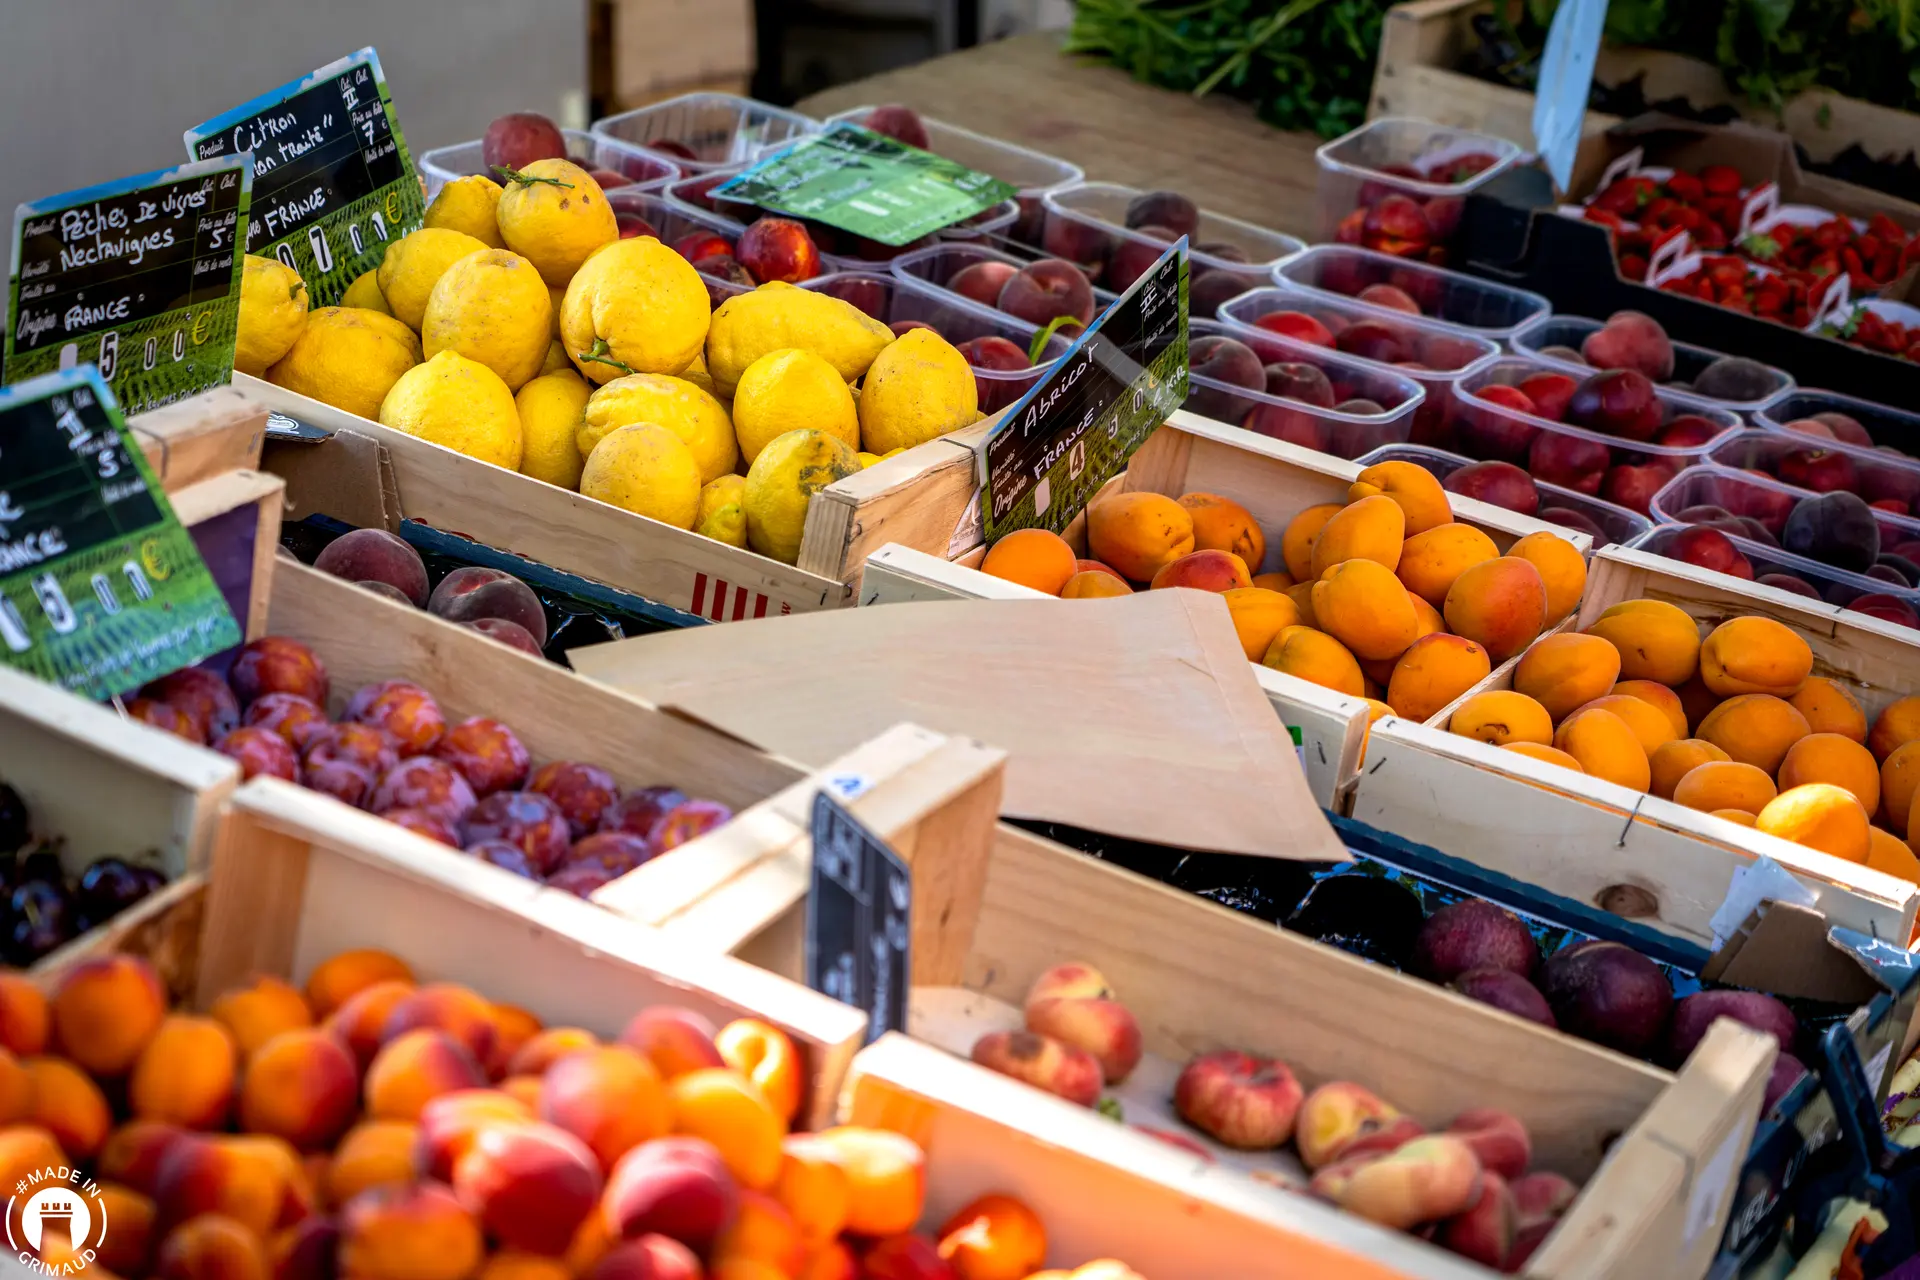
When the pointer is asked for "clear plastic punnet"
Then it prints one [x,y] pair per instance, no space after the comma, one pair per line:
[647,170]
[1886,427]
[1769,566]
[1494,310]
[1433,167]
[1833,533]
[673,220]
[1606,523]
[1889,482]
[701,131]
[1550,339]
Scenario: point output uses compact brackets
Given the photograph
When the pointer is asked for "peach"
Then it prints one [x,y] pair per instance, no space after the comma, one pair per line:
[764,1231]
[449,1123]
[1658,695]
[473,594]
[886,1177]
[69,1105]
[1298,539]
[524,1090]
[25,1016]
[1724,784]
[1036,558]
[1316,657]
[1754,728]
[1830,708]
[1335,1117]
[548,1047]
[1657,641]
[1258,616]
[1540,1201]
[1043,1062]
[813,1188]
[676,1040]
[416,1067]
[1432,559]
[303,1086]
[650,1257]
[767,1057]
[523,1266]
[259,1011]
[611,1099]
[512,1028]
[1097,1025]
[1562,568]
[1648,722]
[25,1149]
[729,1112]
[1754,655]
[1545,755]
[124,1248]
[1483,1233]
[1218,571]
[251,1180]
[1500,717]
[995,1237]
[1429,1178]
[1433,672]
[105,1009]
[1606,747]
[1672,761]
[1896,725]
[185,1075]
[899,1257]
[1829,757]
[1089,584]
[211,1247]
[373,1153]
[1410,485]
[1362,605]
[1221,524]
[339,978]
[1245,1102]
[1138,533]
[361,1022]
[1820,816]
[409,1231]
[1371,529]
[131,1154]
[1500,603]
[459,1011]
[1899,782]
[530,1185]
[676,1187]
[1498,1140]
[1565,671]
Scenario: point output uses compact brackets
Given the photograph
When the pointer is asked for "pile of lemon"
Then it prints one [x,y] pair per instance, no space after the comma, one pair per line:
[518,327]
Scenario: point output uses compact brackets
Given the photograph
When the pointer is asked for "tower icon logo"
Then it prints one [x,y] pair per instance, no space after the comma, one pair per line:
[56,1221]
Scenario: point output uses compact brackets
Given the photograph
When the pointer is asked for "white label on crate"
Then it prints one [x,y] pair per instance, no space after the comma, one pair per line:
[1762,880]
[1709,1186]
[847,787]
[969,532]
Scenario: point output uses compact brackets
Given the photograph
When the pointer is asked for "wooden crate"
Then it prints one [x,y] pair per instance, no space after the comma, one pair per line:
[556,526]
[192,440]
[1272,479]
[1626,852]
[1201,977]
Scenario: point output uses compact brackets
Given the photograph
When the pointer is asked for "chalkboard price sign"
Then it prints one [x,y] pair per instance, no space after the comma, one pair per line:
[101,587]
[333,181]
[859,918]
[140,277]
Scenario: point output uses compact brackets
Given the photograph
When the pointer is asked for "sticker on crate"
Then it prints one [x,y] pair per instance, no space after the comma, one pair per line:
[859,916]
[138,277]
[333,180]
[101,587]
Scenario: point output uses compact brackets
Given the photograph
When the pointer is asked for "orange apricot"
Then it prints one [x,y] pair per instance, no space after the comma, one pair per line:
[996,1237]
[459,1011]
[1820,816]
[765,1055]
[612,1099]
[536,1055]
[69,1105]
[261,1010]
[1296,542]
[1258,616]
[185,1074]
[1138,533]
[1830,708]
[373,1153]
[1409,484]
[512,1028]
[1500,717]
[1606,747]
[1221,524]
[1301,593]
[1890,854]
[1658,695]
[1037,558]
[1754,655]
[1316,657]
[525,1090]
[1218,571]
[1897,723]
[1089,585]
[1649,724]
[124,1246]
[763,1230]
[729,1112]
[1362,605]
[1739,817]
[409,1231]
[1562,569]
[1371,529]
[1829,757]
[104,1012]
[813,1188]
[1899,783]
[336,980]
[676,1040]
[1657,641]
[25,1149]
[886,1177]
[1431,560]
[361,1020]
[211,1247]
[1501,603]
[303,1085]
[1433,672]
[1276,581]
[1565,671]
[1724,784]
[416,1067]
[25,1016]
[523,1266]
[1673,760]
[1754,728]
[1546,755]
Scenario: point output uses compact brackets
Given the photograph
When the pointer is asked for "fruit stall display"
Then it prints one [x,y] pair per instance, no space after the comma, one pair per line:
[1734,383]
[526,136]
[1400,186]
[1603,521]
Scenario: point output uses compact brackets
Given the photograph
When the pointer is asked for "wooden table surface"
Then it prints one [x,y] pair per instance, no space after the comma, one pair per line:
[1117,129]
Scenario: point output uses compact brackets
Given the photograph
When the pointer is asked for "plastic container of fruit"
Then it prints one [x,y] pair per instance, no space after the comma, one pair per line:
[894,300]
[1885,427]
[1496,311]
[1087,225]
[1620,469]
[702,131]
[1606,522]
[1342,433]
[673,221]
[1689,362]
[1888,481]
[1415,159]
[1773,503]
[1776,568]
[648,170]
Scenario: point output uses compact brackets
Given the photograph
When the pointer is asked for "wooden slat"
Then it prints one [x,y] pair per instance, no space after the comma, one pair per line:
[193,440]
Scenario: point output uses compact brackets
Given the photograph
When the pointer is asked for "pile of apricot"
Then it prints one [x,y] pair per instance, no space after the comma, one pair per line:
[1734,724]
[1385,596]
[383,1128]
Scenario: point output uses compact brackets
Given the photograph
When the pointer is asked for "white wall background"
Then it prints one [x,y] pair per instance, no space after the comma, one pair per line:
[92,90]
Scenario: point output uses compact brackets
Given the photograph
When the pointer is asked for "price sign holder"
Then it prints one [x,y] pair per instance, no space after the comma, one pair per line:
[101,587]
[859,918]
[140,277]
[334,183]
[866,183]
[1075,429]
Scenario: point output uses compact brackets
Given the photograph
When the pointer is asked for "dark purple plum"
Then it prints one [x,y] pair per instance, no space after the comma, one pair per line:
[1699,1011]
[1507,991]
[1608,993]
[1836,529]
[1473,934]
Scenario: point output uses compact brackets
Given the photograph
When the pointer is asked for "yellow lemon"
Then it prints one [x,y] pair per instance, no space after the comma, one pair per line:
[555,215]
[776,316]
[273,313]
[459,403]
[635,307]
[365,294]
[782,481]
[559,298]
[469,205]
[789,390]
[647,470]
[550,407]
[413,265]
[723,511]
[682,408]
[491,307]
[347,358]
[556,360]
[697,374]
[918,389]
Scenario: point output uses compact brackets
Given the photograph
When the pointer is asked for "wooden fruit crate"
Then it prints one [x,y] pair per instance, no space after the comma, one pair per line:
[1605,845]
[1201,977]
[1272,479]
